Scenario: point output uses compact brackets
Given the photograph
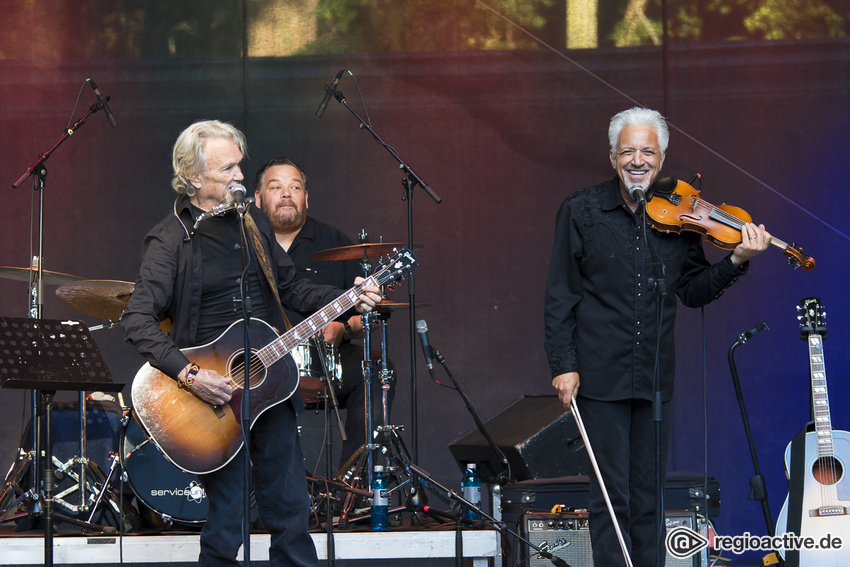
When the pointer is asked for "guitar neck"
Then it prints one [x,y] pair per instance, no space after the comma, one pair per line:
[284,344]
[820,396]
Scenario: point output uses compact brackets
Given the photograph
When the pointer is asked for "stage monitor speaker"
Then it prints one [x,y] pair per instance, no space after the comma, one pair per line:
[537,435]
[567,536]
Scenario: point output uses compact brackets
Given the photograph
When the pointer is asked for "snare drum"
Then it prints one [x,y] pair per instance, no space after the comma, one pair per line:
[308,359]
[167,490]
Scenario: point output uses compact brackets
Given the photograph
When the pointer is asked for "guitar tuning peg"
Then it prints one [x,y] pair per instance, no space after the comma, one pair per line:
[798,308]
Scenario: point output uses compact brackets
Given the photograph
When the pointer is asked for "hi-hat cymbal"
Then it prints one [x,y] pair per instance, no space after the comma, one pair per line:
[390,306]
[23,275]
[359,251]
[105,299]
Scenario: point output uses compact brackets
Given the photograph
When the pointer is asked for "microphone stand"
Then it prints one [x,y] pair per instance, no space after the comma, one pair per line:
[506,472]
[758,487]
[39,170]
[246,389]
[505,475]
[409,183]
[659,286]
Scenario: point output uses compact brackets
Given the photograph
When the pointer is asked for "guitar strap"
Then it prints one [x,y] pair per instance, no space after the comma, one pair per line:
[795,492]
[263,259]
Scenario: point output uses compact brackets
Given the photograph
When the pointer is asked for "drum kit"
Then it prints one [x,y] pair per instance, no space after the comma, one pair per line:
[173,495]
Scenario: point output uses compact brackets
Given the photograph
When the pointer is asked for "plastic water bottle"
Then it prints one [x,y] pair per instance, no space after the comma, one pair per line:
[471,485]
[380,501]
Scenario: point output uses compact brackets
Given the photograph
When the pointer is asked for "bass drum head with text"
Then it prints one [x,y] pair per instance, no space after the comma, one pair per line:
[167,490]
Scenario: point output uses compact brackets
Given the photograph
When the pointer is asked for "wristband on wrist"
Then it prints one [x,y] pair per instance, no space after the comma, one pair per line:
[190,377]
[346,334]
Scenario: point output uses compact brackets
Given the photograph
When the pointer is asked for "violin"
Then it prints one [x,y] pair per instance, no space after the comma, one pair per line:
[677,208]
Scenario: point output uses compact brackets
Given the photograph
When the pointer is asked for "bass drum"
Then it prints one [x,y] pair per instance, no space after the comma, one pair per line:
[167,490]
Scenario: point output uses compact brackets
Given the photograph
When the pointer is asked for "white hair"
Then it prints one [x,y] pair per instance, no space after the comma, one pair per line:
[638,117]
[188,155]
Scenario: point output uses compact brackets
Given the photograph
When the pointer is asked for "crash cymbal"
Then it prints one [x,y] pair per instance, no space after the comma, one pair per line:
[359,251]
[23,275]
[390,306]
[105,299]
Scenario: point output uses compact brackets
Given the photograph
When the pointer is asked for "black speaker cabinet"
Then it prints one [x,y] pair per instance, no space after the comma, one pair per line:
[567,536]
[537,435]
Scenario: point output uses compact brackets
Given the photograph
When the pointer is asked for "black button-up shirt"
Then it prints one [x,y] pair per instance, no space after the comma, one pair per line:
[600,310]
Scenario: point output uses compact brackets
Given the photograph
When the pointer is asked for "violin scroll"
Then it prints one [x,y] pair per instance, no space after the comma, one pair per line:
[797,259]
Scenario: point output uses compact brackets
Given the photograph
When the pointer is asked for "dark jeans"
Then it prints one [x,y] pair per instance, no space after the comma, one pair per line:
[622,436]
[352,397]
[280,489]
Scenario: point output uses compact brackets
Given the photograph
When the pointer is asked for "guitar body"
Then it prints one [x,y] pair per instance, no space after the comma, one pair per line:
[194,435]
[819,481]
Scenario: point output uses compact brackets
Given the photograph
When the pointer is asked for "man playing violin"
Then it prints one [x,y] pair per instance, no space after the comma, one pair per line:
[601,325]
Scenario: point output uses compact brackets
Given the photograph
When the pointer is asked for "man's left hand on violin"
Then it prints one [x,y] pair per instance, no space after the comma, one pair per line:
[754,241]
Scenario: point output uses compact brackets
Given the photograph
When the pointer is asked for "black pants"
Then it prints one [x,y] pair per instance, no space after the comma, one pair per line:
[280,489]
[622,436]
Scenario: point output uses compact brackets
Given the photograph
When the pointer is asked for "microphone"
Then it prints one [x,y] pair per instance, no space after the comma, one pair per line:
[104,100]
[329,92]
[747,335]
[237,192]
[638,194]
[422,329]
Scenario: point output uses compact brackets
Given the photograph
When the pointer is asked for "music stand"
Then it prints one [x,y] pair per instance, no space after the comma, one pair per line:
[49,355]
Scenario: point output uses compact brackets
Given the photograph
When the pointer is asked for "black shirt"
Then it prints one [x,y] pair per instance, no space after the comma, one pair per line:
[316,236]
[221,252]
[600,310]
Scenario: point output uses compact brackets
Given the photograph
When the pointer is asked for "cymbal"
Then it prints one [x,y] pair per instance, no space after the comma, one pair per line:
[390,306]
[23,275]
[105,299]
[359,251]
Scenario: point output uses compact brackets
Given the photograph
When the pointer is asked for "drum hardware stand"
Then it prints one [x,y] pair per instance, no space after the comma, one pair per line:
[385,437]
[87,466]
[13,494]
[48,356]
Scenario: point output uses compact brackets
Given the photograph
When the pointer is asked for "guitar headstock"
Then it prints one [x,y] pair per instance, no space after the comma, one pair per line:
[811,318]
[393,268]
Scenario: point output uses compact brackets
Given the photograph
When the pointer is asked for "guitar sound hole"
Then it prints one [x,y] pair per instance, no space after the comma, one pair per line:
[237,370]
[827,470]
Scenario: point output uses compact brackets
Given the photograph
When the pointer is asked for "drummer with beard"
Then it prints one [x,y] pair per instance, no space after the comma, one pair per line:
[280,189]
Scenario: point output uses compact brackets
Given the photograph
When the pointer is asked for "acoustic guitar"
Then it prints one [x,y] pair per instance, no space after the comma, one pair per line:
[817,504]
[200,438]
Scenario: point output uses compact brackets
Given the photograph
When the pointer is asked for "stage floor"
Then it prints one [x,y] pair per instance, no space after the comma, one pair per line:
[28,548]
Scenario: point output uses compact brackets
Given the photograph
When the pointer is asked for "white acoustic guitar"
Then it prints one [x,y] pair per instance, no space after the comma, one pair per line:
[822,509]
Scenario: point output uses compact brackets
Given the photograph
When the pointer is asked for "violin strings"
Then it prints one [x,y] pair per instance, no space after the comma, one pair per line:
[732,219]
[670,124]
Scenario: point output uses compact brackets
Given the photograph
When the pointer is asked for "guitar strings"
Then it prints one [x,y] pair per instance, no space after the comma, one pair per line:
[292,339]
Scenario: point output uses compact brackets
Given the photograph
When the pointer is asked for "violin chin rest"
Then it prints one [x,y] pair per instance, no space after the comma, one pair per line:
[664,186]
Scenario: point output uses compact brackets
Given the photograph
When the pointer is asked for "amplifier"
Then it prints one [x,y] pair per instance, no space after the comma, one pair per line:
[567,536]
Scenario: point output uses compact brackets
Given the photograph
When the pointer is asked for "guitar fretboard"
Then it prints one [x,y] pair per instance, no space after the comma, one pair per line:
[284,344]
[820,396]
